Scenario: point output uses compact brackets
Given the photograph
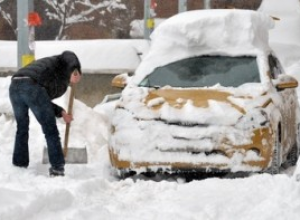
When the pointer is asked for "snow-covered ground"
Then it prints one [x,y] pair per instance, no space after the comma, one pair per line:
[91,191]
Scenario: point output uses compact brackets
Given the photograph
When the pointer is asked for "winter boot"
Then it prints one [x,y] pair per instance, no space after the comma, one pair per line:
[56,172]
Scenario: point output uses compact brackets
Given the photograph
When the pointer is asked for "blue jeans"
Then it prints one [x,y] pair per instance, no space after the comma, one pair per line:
[25,94]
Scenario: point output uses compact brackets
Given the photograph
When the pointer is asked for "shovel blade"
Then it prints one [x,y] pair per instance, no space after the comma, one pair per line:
[74,156]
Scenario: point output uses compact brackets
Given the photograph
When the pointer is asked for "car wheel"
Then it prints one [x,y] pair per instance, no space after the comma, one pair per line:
[293,155]
[276,160]
[124,173]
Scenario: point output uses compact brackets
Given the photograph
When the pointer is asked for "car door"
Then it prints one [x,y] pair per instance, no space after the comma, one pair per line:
[287,108]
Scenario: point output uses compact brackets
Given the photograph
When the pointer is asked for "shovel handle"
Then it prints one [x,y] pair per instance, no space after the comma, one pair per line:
[68,125]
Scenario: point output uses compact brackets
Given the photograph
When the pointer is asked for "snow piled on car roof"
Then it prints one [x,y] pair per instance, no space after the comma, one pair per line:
[207,32]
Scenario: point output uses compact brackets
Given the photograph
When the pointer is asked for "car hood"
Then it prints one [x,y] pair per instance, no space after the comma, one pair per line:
[178,98]
[220,106]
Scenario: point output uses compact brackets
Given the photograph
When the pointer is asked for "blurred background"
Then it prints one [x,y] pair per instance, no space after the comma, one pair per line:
[100,19]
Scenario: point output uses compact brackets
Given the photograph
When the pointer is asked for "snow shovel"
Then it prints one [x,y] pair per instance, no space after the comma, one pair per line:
[72,155]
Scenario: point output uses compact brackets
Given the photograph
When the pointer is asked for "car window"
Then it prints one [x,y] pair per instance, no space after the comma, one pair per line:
[205,71]
[275,67]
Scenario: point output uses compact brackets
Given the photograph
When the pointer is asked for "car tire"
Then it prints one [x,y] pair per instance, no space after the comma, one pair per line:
[293,155]
[276,157]
[124,173]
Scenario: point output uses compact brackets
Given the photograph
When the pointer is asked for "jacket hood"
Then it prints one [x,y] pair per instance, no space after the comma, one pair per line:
[70,59]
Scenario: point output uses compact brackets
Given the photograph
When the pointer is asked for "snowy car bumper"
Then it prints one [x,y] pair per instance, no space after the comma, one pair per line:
[252,157]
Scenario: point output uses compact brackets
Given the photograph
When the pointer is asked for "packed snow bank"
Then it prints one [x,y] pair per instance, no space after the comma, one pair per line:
[289,16]
[137,27]
[204,32]
[289,56]
[5,106]
[284,37]
[95,55]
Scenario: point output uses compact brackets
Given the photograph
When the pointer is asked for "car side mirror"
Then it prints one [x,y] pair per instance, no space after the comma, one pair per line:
[120,80]
[285,82]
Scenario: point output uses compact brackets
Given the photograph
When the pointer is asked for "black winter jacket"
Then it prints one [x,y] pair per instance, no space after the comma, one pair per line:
[52,73]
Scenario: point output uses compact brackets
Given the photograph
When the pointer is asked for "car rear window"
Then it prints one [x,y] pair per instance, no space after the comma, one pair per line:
[205,71]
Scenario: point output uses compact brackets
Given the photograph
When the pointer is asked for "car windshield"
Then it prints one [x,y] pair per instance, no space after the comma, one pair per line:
[205,71]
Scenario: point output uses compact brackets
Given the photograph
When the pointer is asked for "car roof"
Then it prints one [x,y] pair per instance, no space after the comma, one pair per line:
[231,32]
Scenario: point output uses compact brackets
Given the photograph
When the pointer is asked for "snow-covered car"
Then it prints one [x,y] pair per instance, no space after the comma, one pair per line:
[209,96]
